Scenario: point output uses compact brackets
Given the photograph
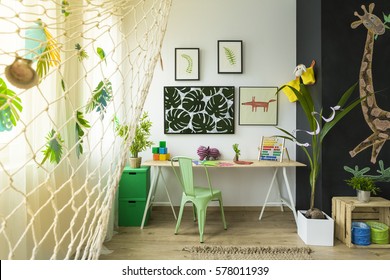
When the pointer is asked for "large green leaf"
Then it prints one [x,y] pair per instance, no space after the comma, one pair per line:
[193,101]
[328,126]
[202,123]
[228,92]
[225,125]
[217,106]
[209,91]
[177,119]
[172,98]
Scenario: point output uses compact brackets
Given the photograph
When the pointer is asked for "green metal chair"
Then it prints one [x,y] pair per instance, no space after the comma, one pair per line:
[198,195]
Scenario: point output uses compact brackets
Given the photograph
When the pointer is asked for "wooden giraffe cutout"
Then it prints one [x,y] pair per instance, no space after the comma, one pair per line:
[377,119]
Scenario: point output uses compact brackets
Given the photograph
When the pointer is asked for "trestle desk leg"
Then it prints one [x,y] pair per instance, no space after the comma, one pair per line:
[268,193]
[292,203]
[152,190]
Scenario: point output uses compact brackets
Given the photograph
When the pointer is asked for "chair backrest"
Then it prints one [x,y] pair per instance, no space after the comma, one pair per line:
[186,176]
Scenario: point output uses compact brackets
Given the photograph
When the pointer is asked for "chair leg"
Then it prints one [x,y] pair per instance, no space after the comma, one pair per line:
[222,213]
[201,222]
[194,212]
[180,216]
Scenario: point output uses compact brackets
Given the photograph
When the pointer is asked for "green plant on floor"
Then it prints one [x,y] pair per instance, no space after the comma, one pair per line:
[297,91]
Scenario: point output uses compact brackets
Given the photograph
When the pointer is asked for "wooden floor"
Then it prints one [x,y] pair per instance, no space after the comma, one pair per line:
[158,242]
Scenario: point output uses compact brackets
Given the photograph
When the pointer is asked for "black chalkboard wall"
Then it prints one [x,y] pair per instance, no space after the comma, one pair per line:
[324,33]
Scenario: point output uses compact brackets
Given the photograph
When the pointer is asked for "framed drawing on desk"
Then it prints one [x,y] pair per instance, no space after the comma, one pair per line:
[271,148]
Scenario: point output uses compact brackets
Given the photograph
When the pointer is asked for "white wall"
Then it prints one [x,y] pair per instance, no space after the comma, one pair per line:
[267,29]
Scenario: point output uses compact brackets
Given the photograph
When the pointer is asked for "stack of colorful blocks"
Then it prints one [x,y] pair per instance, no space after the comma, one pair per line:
[160,152]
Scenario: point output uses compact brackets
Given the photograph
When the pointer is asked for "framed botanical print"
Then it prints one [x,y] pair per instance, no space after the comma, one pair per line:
[258,106]
[199,110]
[187,64]
[230,57]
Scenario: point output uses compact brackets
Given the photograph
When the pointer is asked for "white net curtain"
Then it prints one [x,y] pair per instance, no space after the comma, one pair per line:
[68,69]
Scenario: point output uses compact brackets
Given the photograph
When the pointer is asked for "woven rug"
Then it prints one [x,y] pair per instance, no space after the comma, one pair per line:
[210,252]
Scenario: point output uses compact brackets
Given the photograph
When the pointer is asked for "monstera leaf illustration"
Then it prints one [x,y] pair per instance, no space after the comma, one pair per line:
[198,110]
[202,123]
[228,93]
[193,101]
[210,91]
[177,119]
[217,106]
[225,125]
[172,98]
[231,111]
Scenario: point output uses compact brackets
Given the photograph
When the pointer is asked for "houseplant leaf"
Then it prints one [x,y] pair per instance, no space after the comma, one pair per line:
[328,126]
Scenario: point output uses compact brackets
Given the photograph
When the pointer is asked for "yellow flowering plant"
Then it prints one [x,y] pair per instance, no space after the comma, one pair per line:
[298,92]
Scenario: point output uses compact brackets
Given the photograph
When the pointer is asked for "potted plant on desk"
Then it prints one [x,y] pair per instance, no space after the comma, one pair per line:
[310,221]
[140,141]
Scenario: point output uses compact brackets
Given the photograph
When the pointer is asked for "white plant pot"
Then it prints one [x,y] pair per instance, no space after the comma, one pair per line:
[318,232]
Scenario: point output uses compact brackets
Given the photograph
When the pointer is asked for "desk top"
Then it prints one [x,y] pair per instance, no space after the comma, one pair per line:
[230,164]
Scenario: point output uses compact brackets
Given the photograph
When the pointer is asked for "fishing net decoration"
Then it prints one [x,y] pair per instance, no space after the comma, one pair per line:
[68,69]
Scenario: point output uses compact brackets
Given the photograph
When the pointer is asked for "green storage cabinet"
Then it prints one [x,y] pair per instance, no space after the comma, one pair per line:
[135,182]
[133,192]
[131,212]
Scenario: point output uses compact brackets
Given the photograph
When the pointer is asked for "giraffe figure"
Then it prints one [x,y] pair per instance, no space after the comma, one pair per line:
[377,119]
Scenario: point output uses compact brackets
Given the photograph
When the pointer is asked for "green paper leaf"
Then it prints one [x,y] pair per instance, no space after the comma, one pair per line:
[53,148]
[63,85]
[10,103]
[100,97]
[101,54]
[81,53]
[65,8]
[81,124]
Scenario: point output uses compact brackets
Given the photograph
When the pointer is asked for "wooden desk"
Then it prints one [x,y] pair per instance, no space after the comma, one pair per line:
[157,166]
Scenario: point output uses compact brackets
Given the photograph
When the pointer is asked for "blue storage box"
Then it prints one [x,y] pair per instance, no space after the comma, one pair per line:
[361,234]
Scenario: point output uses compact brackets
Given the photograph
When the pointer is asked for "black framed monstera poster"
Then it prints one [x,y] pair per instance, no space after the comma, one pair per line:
[199,110]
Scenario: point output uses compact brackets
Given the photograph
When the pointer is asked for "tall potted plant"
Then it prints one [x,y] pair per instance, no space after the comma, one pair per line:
[297,91]
[140,141]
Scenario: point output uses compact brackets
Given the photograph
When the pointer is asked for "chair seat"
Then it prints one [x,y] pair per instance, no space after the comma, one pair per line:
[205,192]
